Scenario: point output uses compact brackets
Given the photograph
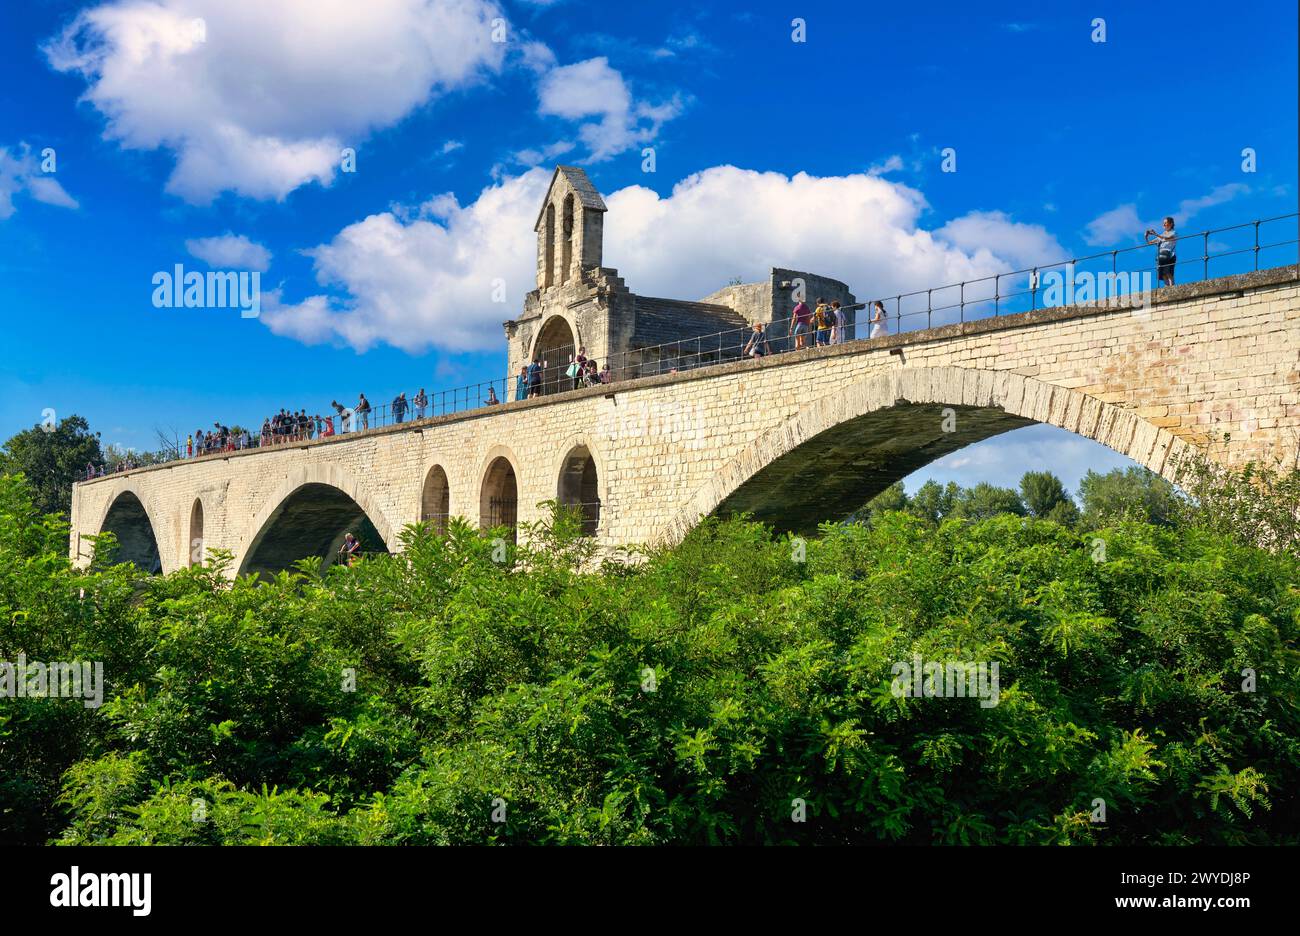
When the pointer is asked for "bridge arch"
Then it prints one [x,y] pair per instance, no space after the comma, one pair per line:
[834,454]
[195,547]
[309,515]
[129,517]
[435,498]
[581,481]
[499,489]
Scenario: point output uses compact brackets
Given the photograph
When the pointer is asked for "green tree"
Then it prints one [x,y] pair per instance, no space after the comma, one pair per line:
[893,497]
[115,457]
[51,458]
[986,500]
[1065,513]
[1258,504]
[1127,493]
[1045,497]
[933,501]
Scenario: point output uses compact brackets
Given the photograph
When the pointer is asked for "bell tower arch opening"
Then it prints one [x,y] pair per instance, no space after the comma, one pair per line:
[547,276]
[566,259]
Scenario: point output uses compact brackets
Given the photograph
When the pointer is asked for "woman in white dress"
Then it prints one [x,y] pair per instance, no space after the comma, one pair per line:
[879,321]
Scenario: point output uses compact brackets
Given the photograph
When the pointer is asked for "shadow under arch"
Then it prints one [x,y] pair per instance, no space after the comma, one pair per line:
[499,491]
[435,499]
[834,455]
[309,516]
[578,484]
[128,520]
[195,545]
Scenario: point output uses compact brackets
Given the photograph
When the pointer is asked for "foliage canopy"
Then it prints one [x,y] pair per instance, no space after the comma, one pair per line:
[692,697]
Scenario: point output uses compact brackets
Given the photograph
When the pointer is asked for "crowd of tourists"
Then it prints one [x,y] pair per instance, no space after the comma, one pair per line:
[825,324]
[218,439]
[99,471]
[581,371]
[288,426]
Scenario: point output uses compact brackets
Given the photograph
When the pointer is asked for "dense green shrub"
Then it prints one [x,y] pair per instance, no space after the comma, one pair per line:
[690,697]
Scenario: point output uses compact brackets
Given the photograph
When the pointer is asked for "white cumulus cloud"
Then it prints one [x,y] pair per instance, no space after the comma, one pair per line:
[593,89]
[992,235]
[20,172]
[1120,223]
[230,252]
[1123,223]
[858,228]
[1189,207]
[426,278]
[259,98]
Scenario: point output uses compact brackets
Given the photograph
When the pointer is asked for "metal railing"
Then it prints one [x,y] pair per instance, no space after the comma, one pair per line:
[1000,294]
[1100,267]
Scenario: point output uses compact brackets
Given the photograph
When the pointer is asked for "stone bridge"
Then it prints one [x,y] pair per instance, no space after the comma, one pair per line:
[795,438]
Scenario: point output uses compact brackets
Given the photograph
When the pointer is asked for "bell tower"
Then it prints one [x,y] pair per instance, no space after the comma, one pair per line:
[570,229]
[579,305]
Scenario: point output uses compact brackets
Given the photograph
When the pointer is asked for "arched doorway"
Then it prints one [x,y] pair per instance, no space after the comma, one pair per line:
[435,500]
[311,521]
[136,543]
[196,547]
[499,500]
[579,488]
[554,349]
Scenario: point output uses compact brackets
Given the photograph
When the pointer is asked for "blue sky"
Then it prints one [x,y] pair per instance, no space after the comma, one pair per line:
[173,145]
